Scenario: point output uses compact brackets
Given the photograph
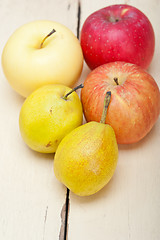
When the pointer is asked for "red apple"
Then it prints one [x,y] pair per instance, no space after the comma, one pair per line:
[135,99]
[117,33]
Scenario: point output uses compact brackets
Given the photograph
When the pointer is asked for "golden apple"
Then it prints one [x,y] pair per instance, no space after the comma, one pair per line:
[35,56]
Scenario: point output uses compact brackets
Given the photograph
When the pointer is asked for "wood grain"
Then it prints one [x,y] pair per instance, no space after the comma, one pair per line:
[31,199]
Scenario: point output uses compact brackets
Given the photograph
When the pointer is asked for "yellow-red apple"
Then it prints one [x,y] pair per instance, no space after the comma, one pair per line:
[135,100]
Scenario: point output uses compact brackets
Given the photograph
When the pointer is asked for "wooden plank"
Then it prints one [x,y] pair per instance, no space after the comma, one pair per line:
[31,198]
[128,207]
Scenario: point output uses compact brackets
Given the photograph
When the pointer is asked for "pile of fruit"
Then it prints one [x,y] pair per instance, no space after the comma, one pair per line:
[119,98]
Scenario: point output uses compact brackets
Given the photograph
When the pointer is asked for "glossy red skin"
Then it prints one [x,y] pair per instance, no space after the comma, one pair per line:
[130,39]
[135,103]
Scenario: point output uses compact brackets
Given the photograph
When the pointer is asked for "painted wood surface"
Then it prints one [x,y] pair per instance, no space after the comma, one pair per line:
[31,199]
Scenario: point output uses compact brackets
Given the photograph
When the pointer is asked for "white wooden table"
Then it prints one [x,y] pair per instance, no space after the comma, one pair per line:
[31,199]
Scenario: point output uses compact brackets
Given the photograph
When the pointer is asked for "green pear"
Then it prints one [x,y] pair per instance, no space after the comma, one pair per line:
[86,158]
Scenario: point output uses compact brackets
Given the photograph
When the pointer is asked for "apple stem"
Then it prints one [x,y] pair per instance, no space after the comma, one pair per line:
[49,34]
[113,19]
[73,90]
[106,104]
[116,80]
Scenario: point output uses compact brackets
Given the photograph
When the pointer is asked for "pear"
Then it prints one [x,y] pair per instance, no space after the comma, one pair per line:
[86,158]
[48,114]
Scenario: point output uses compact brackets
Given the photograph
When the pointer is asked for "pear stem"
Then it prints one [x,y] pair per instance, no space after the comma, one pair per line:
[106,104]
[49,34]
[73,90]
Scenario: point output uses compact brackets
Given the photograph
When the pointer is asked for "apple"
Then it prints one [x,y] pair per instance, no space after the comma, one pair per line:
[117,33]
[135,101]
[47,115]
[40,53]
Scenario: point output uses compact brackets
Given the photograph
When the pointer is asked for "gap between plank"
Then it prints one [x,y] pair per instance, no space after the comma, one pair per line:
[65,208]
[78,18]
[66,215]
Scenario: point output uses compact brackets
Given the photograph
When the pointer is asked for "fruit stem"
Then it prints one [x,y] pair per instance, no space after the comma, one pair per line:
[106,104]
[73,90]
[49,34]
[113,19]
[116,80]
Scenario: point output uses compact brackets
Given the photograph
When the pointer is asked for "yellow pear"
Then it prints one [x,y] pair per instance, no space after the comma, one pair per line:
[48,114]
[86,158]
